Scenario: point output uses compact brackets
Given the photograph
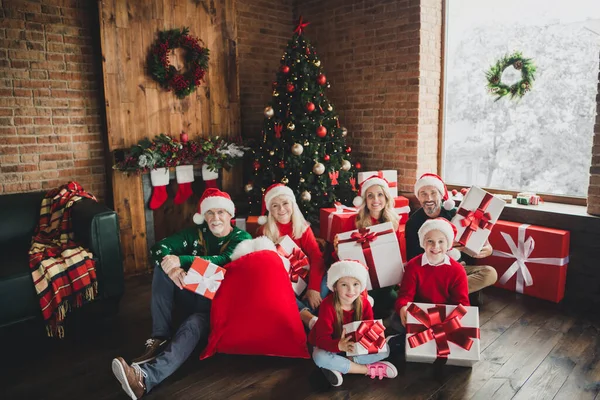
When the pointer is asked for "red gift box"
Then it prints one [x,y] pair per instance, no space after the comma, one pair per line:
[204,278]
[530,259]
[402,208]
[252,225]
[336,220]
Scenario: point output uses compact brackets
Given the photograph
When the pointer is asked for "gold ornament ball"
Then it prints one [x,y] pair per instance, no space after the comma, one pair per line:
[305,196]
[318,169]
[298,61]
[291,126]
[297,149]
[271,153]
[269,112]
[275,93]
[318,63]
[301,180]
[248,187]
[330,108]
[346,165]
[344,132]
[284,180]
[306,142]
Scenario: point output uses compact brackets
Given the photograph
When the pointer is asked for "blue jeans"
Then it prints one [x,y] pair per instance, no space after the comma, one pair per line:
[337,362]
[194,328]
[324,292]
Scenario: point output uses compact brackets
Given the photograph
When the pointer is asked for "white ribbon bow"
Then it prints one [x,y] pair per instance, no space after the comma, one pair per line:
[521,253]
[210,283]
[339,209]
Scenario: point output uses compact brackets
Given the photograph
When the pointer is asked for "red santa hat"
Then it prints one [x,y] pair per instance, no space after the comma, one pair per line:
[276,189]
[447,229]
[437,182]
[367,183]
[349,268]
[213,198]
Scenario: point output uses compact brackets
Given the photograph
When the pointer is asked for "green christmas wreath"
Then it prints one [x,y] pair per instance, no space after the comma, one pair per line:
[494,76]
[164,73]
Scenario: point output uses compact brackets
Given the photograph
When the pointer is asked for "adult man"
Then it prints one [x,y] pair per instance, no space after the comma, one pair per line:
[213,240]
[433,196]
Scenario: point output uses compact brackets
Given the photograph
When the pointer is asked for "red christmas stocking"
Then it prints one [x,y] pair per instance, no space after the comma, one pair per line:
[209,177]
[185,177]
[160,179]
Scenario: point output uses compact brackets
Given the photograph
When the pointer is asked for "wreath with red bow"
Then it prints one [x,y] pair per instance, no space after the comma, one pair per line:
[196,58]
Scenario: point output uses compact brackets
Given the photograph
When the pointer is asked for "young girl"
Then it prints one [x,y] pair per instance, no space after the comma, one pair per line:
[376,206]
[346,279]
[285,218]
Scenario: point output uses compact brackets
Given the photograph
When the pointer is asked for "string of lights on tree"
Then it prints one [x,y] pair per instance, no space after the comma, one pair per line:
[303,144]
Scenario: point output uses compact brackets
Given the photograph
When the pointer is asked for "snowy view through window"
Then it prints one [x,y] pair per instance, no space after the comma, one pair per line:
[543,141]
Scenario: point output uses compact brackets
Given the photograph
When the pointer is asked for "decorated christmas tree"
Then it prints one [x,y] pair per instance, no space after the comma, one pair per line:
[303,144]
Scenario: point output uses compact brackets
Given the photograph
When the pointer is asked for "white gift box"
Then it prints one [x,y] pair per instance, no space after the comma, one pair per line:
[377,248]
[368,336]
[462,341]
[239,222]
[296,263]
[389,175]
[476,217]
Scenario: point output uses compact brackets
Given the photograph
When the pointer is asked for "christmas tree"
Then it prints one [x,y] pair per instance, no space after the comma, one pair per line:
[303,144]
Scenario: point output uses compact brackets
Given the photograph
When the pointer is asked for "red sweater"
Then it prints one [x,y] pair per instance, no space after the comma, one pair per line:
[439,284]
[308,244]
[322,334]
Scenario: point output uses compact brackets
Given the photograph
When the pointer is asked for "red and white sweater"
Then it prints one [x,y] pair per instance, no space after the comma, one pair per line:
[322,334]
[308,244]
[422,282]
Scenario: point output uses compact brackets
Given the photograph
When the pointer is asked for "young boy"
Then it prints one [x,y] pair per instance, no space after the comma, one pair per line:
[433,277]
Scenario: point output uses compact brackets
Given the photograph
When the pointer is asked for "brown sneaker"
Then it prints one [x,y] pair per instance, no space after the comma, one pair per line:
[131,378]
[154,347]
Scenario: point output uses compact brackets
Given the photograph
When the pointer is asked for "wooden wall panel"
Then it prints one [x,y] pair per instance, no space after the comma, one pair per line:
[137,108]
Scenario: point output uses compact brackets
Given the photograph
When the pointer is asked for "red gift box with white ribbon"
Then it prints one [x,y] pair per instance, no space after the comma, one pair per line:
[204,278]
[530,259]
[336,220]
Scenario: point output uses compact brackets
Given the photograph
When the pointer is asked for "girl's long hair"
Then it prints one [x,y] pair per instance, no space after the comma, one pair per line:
[299,224]
[363,218]
[357,306]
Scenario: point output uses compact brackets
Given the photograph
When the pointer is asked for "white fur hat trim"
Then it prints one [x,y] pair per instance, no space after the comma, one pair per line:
[439,224]
[349,268]
[213,202]
[252,245]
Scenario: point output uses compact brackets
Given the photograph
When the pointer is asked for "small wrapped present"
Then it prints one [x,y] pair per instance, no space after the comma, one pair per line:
[402,208]
[204,278]
[239,222]
[474,219]
[252,225]
[530,259]
[368,336]
[296,263]
[389,175]
[442,334]
[528,199]
[336,220]
[376,247]
[505,197]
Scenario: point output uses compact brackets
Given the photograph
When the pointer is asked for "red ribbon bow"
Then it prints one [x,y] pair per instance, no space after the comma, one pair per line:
[334,177]
[278,128]
[353,183]
[298,261]
[474,220]
[300,27]
[369,334]
[436,326]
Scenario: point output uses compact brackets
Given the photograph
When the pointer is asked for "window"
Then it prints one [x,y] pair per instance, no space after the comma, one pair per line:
[543,141]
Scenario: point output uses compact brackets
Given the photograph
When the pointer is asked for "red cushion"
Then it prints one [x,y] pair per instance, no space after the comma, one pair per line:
[254,311]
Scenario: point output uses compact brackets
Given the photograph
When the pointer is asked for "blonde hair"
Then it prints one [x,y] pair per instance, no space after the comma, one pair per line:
[357,306]
[363,218]
[299,224]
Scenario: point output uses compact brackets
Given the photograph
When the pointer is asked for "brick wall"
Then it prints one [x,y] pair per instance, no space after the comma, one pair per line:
[371,53]
[264,28]
[51,112]
[594,189]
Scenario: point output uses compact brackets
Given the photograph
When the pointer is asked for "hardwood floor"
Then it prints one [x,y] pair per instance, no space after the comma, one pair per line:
[531,349]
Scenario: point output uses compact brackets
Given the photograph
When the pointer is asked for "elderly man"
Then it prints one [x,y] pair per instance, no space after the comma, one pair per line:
[433,196]
[213,240]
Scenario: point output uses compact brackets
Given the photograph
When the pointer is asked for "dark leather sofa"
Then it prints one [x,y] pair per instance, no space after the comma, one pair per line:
[96,228]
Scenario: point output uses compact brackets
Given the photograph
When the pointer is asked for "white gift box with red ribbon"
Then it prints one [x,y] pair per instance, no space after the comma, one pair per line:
[296,263]
[389,175]
[368,335]
[377,248]
[204,278]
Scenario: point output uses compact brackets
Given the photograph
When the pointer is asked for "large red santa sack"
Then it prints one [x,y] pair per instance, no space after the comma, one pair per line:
[254,312]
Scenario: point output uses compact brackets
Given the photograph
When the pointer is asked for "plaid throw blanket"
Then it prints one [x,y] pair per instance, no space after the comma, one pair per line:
[63,273]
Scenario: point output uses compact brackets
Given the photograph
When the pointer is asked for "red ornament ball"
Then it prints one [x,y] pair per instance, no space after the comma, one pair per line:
[285,69]
[357,165]
[349,150]
[321,131]
[310,106]
[256,165]
[290,87]
[464,191]
[281,164]
[321,79]
[454,192]
[183,137]
[326,157]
